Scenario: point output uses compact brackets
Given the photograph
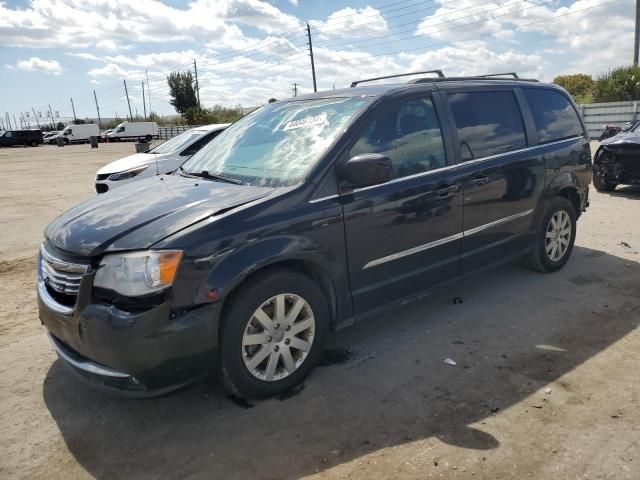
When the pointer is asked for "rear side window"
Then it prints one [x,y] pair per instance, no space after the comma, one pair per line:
[488,123]
[554,116]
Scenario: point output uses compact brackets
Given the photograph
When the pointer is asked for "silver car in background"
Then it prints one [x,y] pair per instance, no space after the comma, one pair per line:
[164,158]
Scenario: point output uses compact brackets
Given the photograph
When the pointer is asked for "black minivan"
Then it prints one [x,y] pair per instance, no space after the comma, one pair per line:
[305,216]
[24,138]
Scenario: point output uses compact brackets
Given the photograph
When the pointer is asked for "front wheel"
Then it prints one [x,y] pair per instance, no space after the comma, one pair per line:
[555,236]
[601,183]
[273,333]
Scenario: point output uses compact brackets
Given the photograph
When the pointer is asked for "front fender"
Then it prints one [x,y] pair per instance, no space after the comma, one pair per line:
[236,265]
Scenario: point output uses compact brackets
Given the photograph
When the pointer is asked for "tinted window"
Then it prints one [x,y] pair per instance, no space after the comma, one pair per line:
[488,123]
[409,134]
[197,145]
[554,116]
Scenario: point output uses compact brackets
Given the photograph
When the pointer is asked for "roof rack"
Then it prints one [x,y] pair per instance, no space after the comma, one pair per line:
[437,72]
[490,76]
[513,74]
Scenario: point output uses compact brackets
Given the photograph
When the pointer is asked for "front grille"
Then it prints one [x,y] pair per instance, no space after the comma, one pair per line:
[102,188]
[62,278]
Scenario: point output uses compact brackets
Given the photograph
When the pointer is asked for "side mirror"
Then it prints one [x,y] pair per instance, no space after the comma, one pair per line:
[367,169]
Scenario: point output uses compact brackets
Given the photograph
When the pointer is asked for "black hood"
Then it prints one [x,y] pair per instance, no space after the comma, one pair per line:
[623,138]
[137,215]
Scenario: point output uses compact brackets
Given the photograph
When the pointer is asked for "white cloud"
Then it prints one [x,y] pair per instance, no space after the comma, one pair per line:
[476,58]
[35,64]
[351,22]
[113,70]
[116,24]
[85,56]
[294,2]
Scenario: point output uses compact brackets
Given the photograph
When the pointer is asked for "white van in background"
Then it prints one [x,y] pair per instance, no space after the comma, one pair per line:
[134,131]
[79,133]
[164,158]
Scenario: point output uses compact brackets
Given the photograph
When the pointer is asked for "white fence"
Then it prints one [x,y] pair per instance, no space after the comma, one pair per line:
[596,115]
[165,133]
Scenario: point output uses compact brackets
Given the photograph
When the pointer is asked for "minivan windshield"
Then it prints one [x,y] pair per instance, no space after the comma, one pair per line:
[278,144]
[176,143]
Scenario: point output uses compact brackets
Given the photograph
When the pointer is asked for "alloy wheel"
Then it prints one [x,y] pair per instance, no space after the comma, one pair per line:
[558,235]
[278,337]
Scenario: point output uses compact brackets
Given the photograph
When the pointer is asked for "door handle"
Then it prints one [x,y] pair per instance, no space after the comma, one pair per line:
[480,180]
[446,190]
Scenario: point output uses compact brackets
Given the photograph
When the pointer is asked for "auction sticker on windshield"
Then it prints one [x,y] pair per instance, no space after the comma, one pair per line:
[306,122]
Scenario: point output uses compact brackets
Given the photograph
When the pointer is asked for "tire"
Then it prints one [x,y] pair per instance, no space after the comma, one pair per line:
[148,138]
[602,185]
[66,141]
[543,258]
[246,365]
[34,143]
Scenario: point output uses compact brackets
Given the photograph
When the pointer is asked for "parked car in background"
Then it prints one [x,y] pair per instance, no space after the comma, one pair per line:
[78,133]
[49,137]
[24,138]
[134,131]
[164,158]
[308,215]
[103,135]
[617,160]
[609,131]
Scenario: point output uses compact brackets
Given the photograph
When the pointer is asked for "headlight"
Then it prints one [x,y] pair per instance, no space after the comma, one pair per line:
[127,174]
[138,273]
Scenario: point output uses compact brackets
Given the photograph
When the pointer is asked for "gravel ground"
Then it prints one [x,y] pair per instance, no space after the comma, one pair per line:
[546,384]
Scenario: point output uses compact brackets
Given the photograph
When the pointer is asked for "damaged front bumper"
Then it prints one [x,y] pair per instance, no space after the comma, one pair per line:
[618,163]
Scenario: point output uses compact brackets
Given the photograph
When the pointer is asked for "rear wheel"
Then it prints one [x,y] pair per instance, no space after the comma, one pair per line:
[148,138]
[34,143]
[66,141]
[555,236]
[273,333]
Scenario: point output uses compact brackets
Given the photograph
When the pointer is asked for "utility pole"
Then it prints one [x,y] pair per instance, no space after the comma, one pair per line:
[144,104]
[14,121]
[313,67]
[53,127]
[635,38]
[34,114]
[128,102]
[295,89]
[74,111]
[97,108]
[195,69]
[148,94]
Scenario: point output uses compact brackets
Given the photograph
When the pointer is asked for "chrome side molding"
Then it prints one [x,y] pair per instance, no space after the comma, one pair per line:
[442,241]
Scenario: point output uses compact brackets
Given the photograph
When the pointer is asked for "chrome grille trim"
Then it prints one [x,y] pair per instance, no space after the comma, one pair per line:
[61,277]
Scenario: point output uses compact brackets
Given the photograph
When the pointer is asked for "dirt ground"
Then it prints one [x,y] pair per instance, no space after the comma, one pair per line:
[546,384]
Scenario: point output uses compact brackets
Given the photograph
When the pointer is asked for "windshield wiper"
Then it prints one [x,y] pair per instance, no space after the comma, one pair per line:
[214,176]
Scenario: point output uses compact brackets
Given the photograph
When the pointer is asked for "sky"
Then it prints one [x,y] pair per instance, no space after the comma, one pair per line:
[248,51]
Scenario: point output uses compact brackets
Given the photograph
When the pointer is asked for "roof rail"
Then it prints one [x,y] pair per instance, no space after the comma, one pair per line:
[477,77]
[437,72]
[513,74]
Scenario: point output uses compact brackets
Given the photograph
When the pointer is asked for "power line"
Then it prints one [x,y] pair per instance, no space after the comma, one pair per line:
[449,21]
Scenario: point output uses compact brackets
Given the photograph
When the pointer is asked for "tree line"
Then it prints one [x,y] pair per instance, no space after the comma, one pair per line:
[617,85]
